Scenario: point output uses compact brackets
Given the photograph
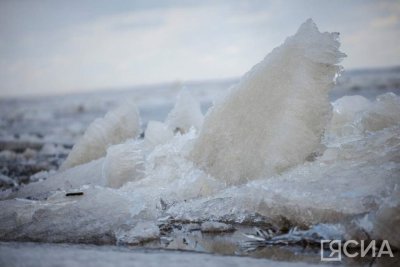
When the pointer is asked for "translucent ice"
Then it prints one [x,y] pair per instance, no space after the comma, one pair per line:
[355,116]
[143,231]
[384,113]
[124,162]
[116,126]
[274,118]
[343,120]
[70,179]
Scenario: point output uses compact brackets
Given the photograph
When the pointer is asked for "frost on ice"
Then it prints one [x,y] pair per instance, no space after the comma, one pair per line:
[263,132]
[274,118]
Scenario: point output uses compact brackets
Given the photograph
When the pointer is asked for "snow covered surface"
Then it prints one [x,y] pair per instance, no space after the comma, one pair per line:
[273,151]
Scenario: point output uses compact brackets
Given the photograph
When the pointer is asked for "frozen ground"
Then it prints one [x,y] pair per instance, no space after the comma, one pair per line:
[280,152]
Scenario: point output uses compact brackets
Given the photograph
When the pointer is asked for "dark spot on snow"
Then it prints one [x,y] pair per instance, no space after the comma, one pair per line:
[71,194]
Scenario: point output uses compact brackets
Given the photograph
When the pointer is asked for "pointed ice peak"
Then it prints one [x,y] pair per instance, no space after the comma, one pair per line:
[307,26]
[117,126]
[275,117]
[185,114]
[322,47]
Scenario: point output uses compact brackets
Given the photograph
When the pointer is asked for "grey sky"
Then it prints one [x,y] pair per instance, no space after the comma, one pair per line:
[49,47]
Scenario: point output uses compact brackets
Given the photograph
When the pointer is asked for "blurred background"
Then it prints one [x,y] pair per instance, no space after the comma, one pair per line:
[58,47]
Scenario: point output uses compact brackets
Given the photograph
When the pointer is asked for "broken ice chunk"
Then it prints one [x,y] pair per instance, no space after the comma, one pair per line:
[123,163]
[116,126]
[274,118]
[143,231]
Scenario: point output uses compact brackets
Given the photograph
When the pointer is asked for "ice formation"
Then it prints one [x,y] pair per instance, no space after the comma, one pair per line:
[353,182]
[353,116]
[116,126]
[345,111]
[185,114]
[157,133]
[123,163]
[275,117]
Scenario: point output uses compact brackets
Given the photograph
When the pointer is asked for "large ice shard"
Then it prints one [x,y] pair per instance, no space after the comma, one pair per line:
[116,126]
[275,117]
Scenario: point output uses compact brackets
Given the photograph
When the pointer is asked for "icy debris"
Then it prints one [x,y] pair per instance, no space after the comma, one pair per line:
[116,126]
[386,220]
[177,178]
[347,106]
[216,227]
[143,231]
[7,181]
[345,111]
[274,118]
[295,236]
[384,113]
[91,218]
[40,176]
[85,174]
[29,153]
[123,163]
[7,155]
[21,166]
[355,116]
[355,180]
[50,149]
[185,114]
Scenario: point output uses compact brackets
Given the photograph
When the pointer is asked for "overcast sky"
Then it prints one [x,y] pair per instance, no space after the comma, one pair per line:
[50,47]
